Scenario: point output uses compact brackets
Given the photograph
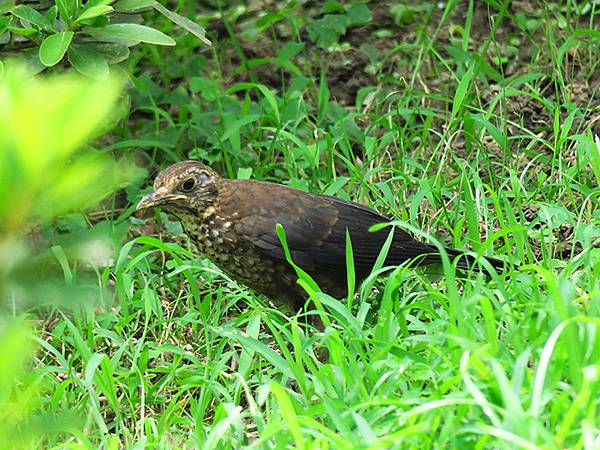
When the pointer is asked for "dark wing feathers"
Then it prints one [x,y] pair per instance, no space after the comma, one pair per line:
[307,224]
[368,245]
[315,228]
[404,247]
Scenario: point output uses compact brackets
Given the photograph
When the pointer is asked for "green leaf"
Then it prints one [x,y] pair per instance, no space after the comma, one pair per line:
[350,272]
[256,346]
[463,88]
[32,16]
[332,6]
[244,173]
[52,15]
[323,99]
[67,9]
[402,14]
[99,36]
[5,23]
[221,426]
[183,22]
[31,62]
[359,14]
[269,96]
[92,3]
[94,11]
[234,128]
[493,131]
[26,32]
[133,5]
[5,7]
[326,31]
[287,412]
[54,48]
[588,32]
[112,53]
[302,275]
[88,62]
[289,50]
[209,89]
[252,330]
[133,32]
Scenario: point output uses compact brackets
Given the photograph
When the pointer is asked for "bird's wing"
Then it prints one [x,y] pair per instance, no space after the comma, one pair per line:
[315,228]
[308,224]
[368,244]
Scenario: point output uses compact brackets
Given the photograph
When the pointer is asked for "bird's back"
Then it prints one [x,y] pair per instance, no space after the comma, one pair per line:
[315,227]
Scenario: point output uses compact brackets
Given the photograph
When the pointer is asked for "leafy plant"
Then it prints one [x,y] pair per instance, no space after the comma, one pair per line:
[42,125]
[93,35]
[337,19]
[44,173]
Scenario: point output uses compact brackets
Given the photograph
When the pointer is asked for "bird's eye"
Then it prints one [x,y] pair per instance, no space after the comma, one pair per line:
[188,185]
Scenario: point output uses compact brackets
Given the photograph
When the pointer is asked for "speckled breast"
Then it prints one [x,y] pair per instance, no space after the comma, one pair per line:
[214,238]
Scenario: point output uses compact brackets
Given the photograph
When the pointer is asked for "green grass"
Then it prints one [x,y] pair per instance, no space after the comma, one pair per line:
[483,140]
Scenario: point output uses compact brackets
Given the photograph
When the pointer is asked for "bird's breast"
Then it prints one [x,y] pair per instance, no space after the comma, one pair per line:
[215,238]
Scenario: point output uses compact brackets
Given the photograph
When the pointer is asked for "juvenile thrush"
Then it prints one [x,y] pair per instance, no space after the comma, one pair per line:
[233,223]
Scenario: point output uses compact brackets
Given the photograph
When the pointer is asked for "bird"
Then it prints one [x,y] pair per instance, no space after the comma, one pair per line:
[233,223]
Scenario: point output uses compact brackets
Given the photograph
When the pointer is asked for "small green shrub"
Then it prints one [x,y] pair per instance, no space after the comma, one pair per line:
[93,35]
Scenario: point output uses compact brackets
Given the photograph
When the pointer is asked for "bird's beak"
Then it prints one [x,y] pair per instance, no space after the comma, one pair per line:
[157,198]
[147,201]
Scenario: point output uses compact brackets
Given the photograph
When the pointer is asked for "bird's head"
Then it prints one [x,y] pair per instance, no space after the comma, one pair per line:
[185,186]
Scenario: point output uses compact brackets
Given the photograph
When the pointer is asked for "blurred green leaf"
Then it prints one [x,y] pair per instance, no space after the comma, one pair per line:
[4,23]
[326,31]
[402,14]
[332,6]
[88,62]
[111,52]
[133,5]
[289,50]
[286,409]
[5,7]
[209,89]
[244,173]
[54,47]
[32,16]
[94,11]
[42,124]
[359,14]
[14,341]
[25,32]
[52,15]
[16,399]
[133,32]
[67,9]
[183,22]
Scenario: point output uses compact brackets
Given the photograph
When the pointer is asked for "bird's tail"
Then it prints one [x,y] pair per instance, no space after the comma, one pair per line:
[464,261]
